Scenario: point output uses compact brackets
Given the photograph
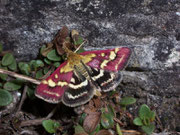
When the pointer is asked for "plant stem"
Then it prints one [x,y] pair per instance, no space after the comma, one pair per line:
[23,97]
[38,121]
[13,74]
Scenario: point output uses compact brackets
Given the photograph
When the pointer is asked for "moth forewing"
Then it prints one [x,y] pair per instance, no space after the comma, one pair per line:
[84,75]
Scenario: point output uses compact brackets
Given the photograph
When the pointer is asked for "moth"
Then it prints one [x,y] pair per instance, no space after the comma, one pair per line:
[84,75]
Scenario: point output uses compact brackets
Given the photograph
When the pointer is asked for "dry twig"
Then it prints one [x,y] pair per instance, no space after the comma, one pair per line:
[13,74]
[131,132]
[38,121]
[22,98]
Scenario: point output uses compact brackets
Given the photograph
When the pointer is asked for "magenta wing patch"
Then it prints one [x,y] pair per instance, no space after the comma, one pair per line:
[111,59]
[52,88]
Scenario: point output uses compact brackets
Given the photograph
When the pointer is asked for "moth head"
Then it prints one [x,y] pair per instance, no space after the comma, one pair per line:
[69,53]
[66,49]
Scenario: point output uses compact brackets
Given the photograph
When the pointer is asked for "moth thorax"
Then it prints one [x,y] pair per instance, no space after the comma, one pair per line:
[74,59]
[82,71]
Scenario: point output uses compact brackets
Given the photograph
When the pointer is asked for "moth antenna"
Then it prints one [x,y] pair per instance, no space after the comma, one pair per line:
[80,45]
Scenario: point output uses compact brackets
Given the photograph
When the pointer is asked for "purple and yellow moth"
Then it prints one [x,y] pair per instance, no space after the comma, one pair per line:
[84,75]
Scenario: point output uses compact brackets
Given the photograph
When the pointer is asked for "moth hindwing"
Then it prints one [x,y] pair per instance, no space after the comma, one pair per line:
[84,75]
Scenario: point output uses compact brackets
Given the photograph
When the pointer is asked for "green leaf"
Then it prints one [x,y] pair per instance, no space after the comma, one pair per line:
[152,116]
[35,64]
[118,129]
[32,63]
[78,129]
[148,129]
[39,74]
[1,47]
[39,63]
[144,112]
[127,101]
[5,97]
[103,110]
[7,59]
[30,93]
[52,55]
[57,64]
[79,41]
[137,121]
[47,61]
[46,49]
[111,110]
[83,116]
[107,120]
[13,65]
[24,68]
[146,121]
[18,81]
[3,76]
[42,49]
[98,128]
[11,86]
[50,126]
[111,93]
[45,71]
